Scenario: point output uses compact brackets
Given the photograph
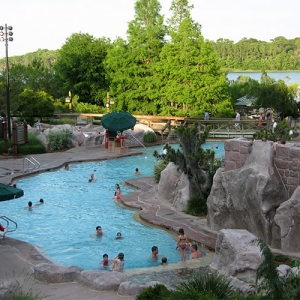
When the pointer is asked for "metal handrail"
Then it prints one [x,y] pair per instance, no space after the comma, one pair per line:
[30,160]
[138,141]
[7,220]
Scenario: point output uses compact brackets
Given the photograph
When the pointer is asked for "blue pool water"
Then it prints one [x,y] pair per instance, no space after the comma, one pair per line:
[63,227]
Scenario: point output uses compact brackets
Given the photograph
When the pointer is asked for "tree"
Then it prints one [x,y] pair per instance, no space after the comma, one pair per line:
[189,70]
[275,94]
[80,68]
[131,66]
[35,104]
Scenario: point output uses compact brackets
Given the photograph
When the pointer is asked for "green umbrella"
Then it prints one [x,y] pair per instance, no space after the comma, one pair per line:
[8,192]
[118,121]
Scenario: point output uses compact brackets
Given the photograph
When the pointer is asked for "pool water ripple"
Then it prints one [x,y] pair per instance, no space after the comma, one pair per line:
[64,226]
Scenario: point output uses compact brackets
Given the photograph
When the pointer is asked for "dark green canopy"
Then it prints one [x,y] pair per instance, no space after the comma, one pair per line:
[8,192]
[118,121]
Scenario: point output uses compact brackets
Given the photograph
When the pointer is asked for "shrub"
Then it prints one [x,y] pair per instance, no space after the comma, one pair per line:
[197,206]
[212,285]
[157,292]
[150,137]
[158,168]
[59,140]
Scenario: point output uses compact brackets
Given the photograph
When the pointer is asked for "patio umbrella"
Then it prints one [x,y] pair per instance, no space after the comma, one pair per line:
[8,192]
[118,121]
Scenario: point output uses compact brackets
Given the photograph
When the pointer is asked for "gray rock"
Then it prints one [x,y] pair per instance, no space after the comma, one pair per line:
[174,186]
[287,219]
[9,288]
[51,273]
[236,254]
[129,288]
[241,286]
[284,270]
[247,197]
[102,280]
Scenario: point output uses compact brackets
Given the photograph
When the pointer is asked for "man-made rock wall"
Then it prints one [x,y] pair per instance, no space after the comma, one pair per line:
[286,160]
[256,191]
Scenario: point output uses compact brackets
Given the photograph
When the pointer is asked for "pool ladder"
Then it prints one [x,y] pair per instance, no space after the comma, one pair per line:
[9,226]
[32,164]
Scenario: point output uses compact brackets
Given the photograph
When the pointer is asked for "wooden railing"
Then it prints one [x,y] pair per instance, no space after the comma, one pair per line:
[220,128]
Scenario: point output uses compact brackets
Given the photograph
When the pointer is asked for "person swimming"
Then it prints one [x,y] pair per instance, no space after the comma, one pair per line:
[118,262]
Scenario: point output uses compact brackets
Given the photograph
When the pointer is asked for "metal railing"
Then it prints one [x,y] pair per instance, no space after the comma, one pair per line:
[31,161]
[7,227]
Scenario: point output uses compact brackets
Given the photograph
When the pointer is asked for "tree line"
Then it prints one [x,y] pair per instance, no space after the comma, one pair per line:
[279,54]
[164,67]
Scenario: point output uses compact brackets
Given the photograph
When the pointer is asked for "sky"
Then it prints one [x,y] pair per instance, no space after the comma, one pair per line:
[46,24]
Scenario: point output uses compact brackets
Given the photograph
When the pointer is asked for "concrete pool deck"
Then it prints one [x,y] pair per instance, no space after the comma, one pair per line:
[17,258]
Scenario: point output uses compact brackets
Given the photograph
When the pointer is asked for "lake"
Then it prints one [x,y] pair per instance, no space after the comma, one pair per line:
[288,77]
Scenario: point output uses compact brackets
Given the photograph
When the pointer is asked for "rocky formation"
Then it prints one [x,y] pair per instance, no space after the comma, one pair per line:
[174,186]
[89,135]
[287,219]
[237,255]
[247,197]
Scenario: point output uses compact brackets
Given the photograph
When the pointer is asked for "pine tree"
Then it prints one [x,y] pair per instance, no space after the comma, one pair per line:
[190,76]
[134,85]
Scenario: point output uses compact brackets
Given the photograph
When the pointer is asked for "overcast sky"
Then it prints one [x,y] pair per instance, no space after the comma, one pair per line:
[46,24]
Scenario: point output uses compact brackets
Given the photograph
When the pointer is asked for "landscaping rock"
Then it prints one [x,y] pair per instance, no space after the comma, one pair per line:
[51,273]
[236,254]
[8,288]
[102,280]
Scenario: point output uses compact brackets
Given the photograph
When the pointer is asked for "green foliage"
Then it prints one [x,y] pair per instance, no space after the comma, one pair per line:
[291,286]
[281,132]
[211,285]
[80,68]
[157,292]
[88,108]
[60,139]
[35,104]
[251,54]
[34,146]
[197,205]
[150,137]
[267,274]
[158,168]
[131,66]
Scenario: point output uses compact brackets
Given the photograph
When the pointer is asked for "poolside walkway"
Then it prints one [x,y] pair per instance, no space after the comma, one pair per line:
[17,258]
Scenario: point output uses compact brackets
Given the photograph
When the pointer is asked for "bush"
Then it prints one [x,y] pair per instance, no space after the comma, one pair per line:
[34,146]
[212,285]
[197,206]
[59,140]
[157,292]
[158,168]
[150,137]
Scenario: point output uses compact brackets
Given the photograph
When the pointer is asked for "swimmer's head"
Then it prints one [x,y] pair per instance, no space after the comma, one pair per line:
[164,260]
[29,203]
[119,234]
[41,200]
[121,255]
[105,255]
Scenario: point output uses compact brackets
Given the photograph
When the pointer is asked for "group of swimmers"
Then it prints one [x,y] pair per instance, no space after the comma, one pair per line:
[30,206]
[118,261]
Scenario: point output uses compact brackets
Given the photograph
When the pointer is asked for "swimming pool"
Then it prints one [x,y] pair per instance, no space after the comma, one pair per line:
[64,225]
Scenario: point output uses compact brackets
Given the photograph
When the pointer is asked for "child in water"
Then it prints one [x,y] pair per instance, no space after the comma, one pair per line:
[118,263]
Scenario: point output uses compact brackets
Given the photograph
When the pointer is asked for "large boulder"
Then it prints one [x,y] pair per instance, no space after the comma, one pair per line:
[102,280]
[247,197]
[174,186]
[287,219]
[51,273]
[237,255]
